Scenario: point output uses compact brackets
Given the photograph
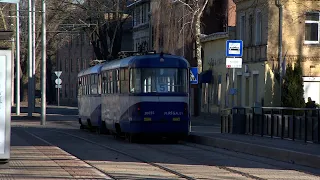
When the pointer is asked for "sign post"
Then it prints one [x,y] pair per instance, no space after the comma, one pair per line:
[58,82]
[234,49]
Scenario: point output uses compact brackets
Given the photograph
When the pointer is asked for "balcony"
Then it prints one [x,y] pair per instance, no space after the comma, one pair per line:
[255,53]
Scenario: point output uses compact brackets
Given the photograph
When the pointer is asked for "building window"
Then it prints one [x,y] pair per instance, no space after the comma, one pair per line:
[78,65]
[312,28]
[71,66]
[143,14]
[242,27]
[250,29]
[137,16]
[258,28]
[66,65]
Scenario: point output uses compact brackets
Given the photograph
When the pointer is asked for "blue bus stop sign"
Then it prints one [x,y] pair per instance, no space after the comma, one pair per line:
[234,48]
[194,75]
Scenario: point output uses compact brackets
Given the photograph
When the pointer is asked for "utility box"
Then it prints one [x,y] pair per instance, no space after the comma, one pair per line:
[5,104]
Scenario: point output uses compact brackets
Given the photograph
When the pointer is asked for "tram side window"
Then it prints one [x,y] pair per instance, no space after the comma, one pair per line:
[93,84]
[135,80]
[124,77]
[105,83]
[79,87]
[85,85]
[99,84]
[117,81]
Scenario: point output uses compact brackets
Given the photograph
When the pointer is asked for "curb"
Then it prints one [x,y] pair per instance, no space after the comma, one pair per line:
[258,150]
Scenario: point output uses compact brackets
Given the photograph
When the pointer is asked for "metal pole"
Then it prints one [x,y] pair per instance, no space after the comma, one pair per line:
[58,96]
[183,30]
[279,5]
[43,62]
[30,109]
[18,61]
[33,53]
[233,77]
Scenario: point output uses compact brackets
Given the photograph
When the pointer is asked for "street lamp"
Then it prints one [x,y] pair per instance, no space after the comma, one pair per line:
[17,53]
[43,61]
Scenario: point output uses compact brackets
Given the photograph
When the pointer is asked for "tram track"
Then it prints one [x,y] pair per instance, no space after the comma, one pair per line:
[221,167]
[198,147]
[178,174]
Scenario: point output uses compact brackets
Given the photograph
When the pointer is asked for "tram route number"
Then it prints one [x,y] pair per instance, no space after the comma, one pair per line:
[162,88]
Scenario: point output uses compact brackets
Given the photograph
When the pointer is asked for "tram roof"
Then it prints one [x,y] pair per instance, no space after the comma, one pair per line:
[92,70]
[148,61]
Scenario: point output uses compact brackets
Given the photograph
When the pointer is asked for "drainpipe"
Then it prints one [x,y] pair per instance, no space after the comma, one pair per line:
[280,6]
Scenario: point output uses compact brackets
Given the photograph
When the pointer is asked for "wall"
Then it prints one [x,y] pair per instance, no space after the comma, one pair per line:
[214,59]
[294,45]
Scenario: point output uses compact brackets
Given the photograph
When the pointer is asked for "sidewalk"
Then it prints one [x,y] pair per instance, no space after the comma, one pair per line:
[33,159]
[296,152]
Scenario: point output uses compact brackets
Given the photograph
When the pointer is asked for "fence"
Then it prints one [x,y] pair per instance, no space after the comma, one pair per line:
[286,123]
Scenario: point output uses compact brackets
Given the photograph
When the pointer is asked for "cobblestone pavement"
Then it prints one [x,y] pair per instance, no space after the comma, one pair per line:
[63,151]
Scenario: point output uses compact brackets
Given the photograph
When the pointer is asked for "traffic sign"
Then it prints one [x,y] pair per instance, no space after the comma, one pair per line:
[58,73]
[233,62]
[58,86]
[194,75]
[234,48]
[58,81]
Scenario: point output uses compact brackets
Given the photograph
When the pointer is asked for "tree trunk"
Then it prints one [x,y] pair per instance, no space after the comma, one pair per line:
[24,88]
[198,42]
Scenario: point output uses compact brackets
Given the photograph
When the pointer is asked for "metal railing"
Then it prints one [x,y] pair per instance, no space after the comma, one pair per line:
[285,123]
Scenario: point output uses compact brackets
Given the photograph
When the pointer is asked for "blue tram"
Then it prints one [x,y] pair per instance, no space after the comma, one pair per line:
[89,98]
[146,94]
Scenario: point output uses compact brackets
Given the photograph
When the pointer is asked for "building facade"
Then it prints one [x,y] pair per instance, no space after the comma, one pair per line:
[73,56]
[141,25]
[257,24]
[77,53]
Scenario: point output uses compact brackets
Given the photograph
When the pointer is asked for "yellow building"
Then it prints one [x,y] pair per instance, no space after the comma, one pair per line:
[257,82]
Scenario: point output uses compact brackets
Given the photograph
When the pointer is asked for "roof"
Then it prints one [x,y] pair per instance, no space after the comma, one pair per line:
[214,36]
[92,70]
[148,61]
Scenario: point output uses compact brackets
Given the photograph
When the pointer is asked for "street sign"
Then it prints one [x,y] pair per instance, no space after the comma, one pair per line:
[194,75]
[234,48]
[233,91]
[58,73]
[58,86]
[234,63]
[58,81]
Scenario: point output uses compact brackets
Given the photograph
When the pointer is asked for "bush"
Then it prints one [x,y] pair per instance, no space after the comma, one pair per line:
[292,87]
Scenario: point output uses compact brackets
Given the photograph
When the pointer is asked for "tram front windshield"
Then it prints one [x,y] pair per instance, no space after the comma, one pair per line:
[158,80]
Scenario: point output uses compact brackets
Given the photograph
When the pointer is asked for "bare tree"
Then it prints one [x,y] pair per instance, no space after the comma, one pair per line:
[58,12]
[167,12]
[105,20]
